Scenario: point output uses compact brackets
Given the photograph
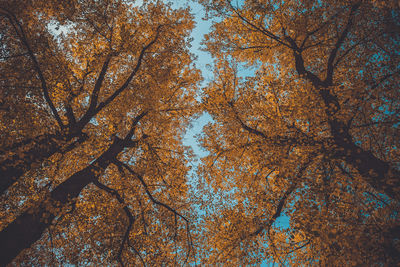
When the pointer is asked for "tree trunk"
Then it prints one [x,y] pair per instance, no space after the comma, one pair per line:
[376,172]
[31,153]
[13,167]
[27,228]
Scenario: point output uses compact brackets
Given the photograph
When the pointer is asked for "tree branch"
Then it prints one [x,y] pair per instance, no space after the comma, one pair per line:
[135,121]
[332,56]
[140,178]
[277,140]
[94,109]
[21,34]
[133,73]
[325,23]
[95,93]
[155,201]
[262,30]
[70,114]
[283,199]
[128,213]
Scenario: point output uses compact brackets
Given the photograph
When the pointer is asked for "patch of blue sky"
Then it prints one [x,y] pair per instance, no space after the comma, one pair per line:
[94,121]
[203,61]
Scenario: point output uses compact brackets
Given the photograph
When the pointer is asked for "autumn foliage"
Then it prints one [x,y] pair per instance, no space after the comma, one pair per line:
[311,135]
[98,173]
[303,164]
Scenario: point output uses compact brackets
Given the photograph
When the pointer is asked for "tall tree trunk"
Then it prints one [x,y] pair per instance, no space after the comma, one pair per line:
[27,228]
[25,157]
[31,153]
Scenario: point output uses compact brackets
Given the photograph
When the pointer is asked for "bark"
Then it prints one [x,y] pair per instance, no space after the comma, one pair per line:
[13,167]
[27,228]
[32,153]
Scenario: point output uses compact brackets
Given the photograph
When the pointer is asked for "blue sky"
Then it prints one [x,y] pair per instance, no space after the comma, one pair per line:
[203,59]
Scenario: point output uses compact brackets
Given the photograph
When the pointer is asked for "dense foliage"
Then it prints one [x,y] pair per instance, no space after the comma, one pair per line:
[97,95]
[303,165]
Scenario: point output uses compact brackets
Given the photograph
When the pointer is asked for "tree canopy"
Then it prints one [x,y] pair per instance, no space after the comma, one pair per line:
[94,169]
[303,164]
[311,134]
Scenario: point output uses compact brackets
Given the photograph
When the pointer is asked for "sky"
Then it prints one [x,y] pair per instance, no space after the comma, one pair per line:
[203,59]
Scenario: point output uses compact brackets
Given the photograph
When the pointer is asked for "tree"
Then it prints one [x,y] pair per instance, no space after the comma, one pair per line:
[64,89]
[26,61]
[109,96]
[312,134]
